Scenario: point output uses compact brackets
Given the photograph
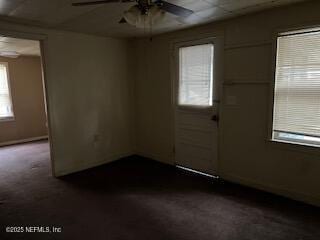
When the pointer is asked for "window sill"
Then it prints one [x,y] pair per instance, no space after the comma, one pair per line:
[7,119]
[195,108]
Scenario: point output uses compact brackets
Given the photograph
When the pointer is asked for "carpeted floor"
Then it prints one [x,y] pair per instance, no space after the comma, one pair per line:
[136,198]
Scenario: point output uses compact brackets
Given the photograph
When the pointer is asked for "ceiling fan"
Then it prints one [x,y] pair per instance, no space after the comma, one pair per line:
[144,13]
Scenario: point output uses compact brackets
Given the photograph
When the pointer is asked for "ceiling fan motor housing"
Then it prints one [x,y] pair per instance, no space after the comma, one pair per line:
[145,5]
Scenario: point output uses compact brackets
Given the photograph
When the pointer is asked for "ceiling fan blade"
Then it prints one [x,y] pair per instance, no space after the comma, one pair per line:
[174,9]
[94,2]
[122,20]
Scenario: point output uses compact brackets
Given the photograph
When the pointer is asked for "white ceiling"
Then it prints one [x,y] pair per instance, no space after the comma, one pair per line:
[21,46]
[103,19]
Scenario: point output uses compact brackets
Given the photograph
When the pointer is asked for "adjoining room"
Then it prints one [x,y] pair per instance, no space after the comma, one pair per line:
[22,104]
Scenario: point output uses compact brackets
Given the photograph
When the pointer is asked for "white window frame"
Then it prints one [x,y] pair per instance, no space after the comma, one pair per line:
[11,118]
[294,145]
[215,90]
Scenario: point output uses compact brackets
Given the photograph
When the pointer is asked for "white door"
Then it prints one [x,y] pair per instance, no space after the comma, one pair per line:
[196,106]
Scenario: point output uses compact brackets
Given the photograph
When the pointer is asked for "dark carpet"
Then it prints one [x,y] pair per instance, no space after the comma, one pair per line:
[136,198]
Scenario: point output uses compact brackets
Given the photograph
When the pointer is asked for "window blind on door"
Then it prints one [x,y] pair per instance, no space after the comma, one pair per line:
[196,75]
[297,88]
[5,99]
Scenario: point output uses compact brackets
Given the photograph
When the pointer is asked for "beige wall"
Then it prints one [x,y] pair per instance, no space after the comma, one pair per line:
[246,155]
[28,101]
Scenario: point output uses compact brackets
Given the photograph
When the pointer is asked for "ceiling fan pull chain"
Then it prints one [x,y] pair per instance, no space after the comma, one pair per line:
[150,38]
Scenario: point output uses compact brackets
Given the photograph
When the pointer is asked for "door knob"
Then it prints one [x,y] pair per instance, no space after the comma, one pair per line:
[215,118]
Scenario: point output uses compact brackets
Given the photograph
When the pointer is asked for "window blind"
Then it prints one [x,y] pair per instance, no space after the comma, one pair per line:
[5,100]
[297,86]
[196,75]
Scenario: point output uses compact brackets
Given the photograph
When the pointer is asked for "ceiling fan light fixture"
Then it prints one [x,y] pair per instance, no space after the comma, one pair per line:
[153,16]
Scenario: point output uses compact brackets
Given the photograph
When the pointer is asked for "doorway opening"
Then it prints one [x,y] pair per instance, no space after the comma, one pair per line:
[24,127]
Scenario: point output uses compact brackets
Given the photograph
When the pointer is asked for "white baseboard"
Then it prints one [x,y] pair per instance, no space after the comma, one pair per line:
[157,158]
[23,141]
[314,200]
[88,165]
[298,196]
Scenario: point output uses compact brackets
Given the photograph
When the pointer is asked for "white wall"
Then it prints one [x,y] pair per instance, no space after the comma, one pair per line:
[88,97]
[89,92]
[246,155]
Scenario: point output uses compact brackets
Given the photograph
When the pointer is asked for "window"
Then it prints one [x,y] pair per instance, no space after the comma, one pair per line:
[6,111]
[296,114]
[196,75]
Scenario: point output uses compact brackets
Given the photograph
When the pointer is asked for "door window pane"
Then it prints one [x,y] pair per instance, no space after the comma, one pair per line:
[196,75]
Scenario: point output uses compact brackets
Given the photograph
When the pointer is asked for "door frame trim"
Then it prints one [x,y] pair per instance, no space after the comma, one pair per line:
[218,41]
[42,38]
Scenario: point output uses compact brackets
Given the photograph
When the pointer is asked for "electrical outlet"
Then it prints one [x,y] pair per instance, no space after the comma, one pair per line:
[96,138]
[96,141]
